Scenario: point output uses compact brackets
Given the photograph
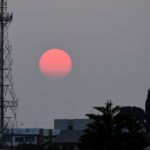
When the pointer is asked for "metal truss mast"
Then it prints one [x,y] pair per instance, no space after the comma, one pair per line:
[8,101]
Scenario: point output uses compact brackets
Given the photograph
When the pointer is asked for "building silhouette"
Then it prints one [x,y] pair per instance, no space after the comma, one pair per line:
[147,112]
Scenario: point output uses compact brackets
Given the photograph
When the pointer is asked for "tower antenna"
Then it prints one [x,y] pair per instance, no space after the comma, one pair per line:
[8,100]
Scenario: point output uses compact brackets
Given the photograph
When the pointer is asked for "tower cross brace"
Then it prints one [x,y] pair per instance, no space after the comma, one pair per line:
[8,100]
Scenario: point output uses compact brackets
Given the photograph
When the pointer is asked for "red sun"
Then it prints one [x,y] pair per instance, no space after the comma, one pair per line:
[55,64]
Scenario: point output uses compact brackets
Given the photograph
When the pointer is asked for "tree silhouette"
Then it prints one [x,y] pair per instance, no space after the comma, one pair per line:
[111,130]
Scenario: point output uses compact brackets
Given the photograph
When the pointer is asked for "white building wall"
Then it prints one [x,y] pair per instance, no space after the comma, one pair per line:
[15,143]
[46,132]
[77,124]
[26,135]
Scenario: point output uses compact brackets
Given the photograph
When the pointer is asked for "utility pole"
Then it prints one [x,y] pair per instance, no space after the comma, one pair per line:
[8,100]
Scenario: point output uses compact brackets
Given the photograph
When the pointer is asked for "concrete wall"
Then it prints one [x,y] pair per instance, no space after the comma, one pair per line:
[77,124]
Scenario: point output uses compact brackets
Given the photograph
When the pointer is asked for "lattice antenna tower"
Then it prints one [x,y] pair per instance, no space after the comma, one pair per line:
[8,101]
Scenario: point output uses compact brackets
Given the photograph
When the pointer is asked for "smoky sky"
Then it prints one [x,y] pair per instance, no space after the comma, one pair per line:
[108,41]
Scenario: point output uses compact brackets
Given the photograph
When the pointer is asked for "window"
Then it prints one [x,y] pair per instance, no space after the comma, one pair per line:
[70,127]
[8,139]
[30,139]
[19,139]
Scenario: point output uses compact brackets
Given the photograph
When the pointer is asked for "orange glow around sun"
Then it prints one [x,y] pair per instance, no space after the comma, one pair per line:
[55,64]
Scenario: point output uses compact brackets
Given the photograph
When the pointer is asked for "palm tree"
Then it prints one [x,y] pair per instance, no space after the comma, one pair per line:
[110,130]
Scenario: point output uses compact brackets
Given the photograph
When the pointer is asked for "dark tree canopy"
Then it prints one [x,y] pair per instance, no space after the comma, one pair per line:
[134,111]
[147,111]
[110,130]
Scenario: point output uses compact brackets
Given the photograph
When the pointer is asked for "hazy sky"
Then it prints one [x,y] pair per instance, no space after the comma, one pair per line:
[109,42]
